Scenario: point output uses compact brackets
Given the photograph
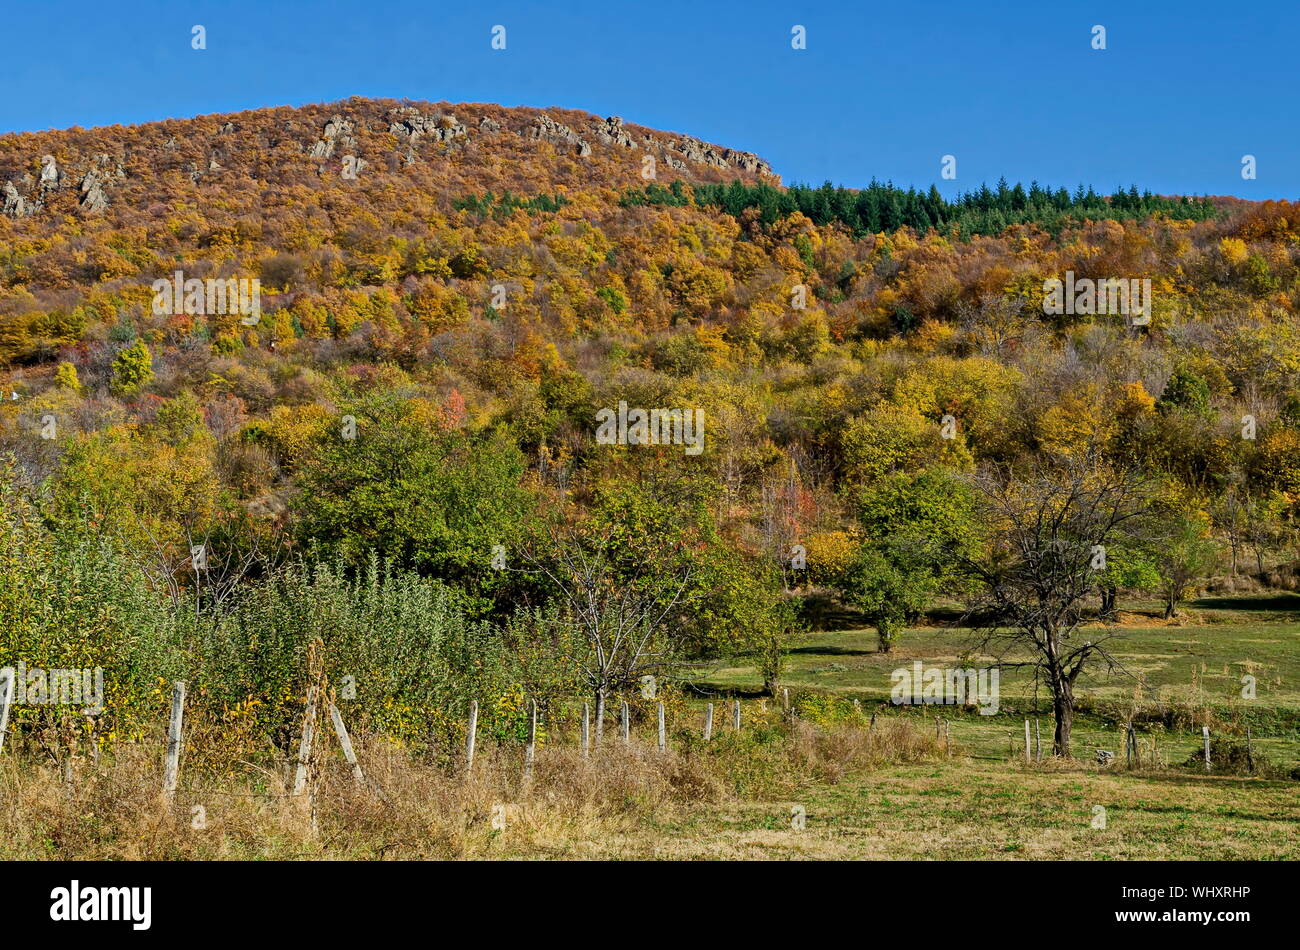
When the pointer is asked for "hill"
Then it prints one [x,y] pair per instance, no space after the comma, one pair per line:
[459,405]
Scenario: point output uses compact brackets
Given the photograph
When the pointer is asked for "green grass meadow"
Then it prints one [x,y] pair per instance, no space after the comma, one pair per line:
[985,802]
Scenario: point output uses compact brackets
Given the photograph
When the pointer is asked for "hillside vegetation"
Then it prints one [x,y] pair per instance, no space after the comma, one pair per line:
[398,450]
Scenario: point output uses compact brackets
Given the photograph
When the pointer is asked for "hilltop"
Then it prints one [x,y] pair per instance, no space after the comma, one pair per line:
[403,147]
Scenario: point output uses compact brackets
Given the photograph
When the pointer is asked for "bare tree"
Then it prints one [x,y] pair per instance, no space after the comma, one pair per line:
[217,570]
[1050,526]
[623,610]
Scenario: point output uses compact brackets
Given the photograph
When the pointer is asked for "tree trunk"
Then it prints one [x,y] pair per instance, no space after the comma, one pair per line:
[1063,707]
[600,714]
[886,636]
[1108,597]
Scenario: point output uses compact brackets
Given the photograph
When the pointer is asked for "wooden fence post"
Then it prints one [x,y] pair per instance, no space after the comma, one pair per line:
[663,736]
[1205,732]
[1027,748]
[735,714]
[345,741]
[586,729]
[171,770]
[308,720]
[1250,758]
[530,751]
[6,696]
[626,727]
[471,734]
[708,722]
[1038,742]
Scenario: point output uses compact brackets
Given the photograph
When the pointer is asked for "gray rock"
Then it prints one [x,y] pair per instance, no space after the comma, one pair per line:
[93,198]
[49,173]
[747,161]
[697,151]
[15,205]
[412,124]
[611,133]
[337,132]
[548,130]
[488,125]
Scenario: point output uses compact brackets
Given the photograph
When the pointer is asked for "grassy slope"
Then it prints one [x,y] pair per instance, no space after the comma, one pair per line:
[979,809]
[1197,662]
[985,803]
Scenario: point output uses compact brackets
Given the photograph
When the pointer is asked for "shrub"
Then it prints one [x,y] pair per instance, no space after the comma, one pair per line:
[132,369]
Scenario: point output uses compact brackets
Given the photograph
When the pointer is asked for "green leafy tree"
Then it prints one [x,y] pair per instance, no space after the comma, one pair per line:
[437,501]
[738,605]
[1130,565]
[1186,552]
[890,587]
[132,369]
[917,527]
[66,376]
[1186,391]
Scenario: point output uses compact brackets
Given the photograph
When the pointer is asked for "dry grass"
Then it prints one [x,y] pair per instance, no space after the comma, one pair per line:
[411,808]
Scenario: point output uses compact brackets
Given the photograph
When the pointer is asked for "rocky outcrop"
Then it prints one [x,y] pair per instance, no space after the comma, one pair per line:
[93,198]
[337,133]
[702,153]
[697,151]
[25,198]
[746,161]
[197,173]
[548,130]
[15,205]
[49,173]
[611,133]
[415,125]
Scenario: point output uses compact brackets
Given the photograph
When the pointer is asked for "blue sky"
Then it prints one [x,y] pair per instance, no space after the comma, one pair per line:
[1182,92]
